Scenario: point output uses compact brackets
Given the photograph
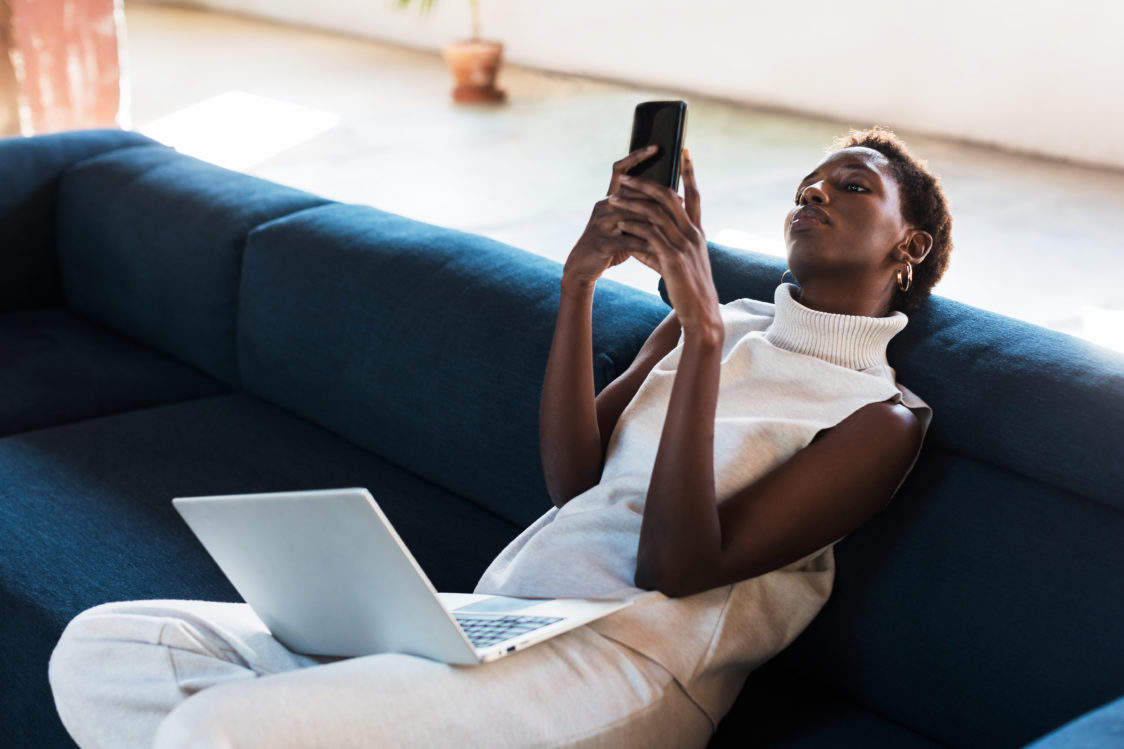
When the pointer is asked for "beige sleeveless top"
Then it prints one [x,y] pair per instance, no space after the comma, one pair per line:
[787,373]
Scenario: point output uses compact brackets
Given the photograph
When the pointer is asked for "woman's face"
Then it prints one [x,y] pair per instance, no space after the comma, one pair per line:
[847,218]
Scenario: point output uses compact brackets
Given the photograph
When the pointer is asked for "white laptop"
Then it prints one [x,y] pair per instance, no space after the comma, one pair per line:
[326,572]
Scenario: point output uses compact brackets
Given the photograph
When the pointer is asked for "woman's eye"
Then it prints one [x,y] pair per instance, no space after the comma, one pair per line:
[854,187]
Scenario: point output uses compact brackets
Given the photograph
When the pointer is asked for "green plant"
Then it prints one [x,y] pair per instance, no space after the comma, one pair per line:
[427,5]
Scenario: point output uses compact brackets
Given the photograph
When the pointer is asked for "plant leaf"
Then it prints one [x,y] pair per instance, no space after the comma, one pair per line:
[423,5]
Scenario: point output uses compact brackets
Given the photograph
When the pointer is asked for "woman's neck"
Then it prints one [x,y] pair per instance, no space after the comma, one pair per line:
[845,299]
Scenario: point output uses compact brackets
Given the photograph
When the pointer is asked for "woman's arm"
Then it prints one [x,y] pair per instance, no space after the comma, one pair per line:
[569,441]
[574,427]
[690,543]
[573,464]
[680,514]
[827,490]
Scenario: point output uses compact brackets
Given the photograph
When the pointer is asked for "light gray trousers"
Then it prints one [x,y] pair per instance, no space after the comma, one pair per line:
[201,674]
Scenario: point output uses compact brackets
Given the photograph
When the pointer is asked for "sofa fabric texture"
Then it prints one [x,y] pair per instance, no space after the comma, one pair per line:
[170,328]
[399,326]
[58,367]
[30,172]
[156,283]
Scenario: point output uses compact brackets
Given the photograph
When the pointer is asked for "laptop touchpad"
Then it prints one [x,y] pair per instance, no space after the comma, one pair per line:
[499,605]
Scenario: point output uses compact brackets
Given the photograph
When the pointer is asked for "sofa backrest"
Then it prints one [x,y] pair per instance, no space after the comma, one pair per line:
[30,169]
[983,606]
[424,345]
[150,244]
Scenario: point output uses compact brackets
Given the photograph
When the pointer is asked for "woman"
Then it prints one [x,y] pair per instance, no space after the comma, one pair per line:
[708,483]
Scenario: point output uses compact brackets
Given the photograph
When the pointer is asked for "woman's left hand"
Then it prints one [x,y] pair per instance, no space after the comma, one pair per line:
[675,244]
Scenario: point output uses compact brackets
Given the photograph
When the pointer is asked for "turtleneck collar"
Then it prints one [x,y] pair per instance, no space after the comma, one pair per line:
[851,341]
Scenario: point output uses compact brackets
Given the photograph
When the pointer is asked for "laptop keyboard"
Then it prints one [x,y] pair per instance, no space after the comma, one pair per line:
[483,631]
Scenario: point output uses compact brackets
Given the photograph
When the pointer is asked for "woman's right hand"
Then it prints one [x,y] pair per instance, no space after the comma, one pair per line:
[602,245]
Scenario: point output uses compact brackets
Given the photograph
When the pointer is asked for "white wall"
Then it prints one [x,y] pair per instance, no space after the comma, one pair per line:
[1043,76]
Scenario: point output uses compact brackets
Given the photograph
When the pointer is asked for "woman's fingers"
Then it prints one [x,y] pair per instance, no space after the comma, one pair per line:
[692,201]
[641,206]
[623,247]
[623,165]
[655,243]
[667,198]
[641,219]
[647,237]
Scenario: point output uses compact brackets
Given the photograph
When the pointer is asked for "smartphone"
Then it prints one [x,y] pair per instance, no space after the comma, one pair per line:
[663,123]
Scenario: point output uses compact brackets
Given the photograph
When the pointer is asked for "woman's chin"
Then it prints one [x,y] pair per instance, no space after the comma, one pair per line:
[804,251]
[807,241]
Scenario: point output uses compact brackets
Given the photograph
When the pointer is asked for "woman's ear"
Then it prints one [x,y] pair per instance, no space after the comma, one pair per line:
[916,246]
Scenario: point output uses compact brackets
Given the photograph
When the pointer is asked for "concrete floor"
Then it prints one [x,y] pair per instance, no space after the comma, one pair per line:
[362,122]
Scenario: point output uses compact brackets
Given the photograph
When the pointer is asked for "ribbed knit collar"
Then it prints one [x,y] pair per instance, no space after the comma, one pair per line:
[851,341]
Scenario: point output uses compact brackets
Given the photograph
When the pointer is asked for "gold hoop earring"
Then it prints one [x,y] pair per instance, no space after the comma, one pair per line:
[787,272]
[908,277]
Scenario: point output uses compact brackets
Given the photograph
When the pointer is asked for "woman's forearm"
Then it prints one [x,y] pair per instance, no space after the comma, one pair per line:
[569,438]
[681,533]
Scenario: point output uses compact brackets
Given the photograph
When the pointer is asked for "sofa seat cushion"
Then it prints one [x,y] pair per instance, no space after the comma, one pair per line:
[59,368]
[422,344]
[86,517]
[778,711]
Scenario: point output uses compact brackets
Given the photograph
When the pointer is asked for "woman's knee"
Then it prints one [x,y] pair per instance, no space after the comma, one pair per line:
[97,636]
[201,722]
[224,717]
[84,641]
[84,674]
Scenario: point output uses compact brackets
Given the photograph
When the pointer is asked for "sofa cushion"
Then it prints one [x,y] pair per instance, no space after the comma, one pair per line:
[150,244]
[778,711]
[961,609]
[29,172]
[86,517]
[422,344]
[1035,401]
[58,368]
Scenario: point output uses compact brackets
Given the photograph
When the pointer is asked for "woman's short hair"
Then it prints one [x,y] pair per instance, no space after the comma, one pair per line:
[923,203]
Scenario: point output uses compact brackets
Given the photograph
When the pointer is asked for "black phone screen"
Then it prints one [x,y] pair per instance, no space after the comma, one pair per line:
[662,123]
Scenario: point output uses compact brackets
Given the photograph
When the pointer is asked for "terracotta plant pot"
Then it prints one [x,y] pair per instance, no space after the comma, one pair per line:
[475,64]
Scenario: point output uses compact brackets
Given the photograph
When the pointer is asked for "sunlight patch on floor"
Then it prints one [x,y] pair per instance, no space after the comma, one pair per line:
[238,130]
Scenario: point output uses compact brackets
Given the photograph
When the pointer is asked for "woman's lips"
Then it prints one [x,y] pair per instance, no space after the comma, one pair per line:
[808,216]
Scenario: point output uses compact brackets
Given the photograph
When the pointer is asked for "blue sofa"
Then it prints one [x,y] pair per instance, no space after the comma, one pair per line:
[170,328]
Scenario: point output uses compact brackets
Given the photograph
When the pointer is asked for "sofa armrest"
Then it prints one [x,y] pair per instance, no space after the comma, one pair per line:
[1103,727]
[29,175]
